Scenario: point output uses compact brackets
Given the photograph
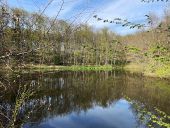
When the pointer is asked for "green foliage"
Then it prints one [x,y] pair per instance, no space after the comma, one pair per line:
[57,60]
[24,93]
[164,70]
[90,68]
[134,50]
[72,68]
[122,22]
[32,39]
[153,118]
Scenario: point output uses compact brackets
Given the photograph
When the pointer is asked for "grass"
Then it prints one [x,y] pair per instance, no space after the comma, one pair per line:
[162,71]
[133,67]
[69,68]
[157,71]
[89,67]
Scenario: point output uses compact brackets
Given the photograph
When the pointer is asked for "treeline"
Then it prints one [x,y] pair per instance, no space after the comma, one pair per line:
[151,47]
[35,38]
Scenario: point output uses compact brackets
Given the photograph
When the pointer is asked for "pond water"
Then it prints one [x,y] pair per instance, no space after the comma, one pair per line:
[88,99]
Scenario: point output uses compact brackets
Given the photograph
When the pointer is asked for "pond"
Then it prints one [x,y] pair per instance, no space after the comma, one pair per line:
[85,99]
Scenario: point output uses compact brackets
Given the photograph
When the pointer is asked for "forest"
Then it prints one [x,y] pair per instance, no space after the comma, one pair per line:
[34,38]
[58,73]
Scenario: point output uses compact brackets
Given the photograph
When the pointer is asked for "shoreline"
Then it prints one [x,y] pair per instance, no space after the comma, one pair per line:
[70,68]
[132,68]
[139,68]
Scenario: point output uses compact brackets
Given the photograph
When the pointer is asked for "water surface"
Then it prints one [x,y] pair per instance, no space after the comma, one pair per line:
[110,99]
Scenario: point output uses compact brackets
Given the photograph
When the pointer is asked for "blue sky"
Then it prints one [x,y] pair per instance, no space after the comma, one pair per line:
[133,10]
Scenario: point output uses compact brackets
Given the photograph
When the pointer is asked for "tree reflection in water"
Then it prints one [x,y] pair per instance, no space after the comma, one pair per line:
[59,94]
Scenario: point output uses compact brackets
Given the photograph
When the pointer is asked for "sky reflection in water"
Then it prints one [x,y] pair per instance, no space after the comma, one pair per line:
[89,100]
[116,115]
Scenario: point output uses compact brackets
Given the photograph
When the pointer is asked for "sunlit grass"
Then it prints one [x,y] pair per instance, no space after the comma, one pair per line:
[71,68]
[134,67]
[162,71]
